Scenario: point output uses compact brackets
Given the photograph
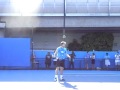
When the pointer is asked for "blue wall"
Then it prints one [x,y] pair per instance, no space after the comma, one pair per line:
[15,52]
[79,61]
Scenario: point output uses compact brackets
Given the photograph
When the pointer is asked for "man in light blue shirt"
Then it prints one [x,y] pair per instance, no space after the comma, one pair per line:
[60,54]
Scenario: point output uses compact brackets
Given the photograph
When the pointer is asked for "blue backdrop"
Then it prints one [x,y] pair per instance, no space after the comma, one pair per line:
[79,60]
[14,52]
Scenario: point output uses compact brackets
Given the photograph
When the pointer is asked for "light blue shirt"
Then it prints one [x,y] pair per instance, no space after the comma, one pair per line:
[61,53]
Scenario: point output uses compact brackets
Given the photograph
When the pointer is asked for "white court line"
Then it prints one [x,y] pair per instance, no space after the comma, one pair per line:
[91,74]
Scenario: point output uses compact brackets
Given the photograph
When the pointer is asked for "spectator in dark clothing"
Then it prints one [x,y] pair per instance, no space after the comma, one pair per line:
[71,60]
[48,60]
[93,60]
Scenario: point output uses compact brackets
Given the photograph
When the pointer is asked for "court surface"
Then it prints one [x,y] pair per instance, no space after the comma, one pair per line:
[44,80]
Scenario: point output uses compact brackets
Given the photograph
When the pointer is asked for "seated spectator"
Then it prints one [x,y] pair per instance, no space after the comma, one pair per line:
[48,60]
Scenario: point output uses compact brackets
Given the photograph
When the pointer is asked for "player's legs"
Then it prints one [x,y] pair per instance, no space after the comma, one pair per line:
[61,69]
[61,73]
[56,74]
[59,66]
[57,70]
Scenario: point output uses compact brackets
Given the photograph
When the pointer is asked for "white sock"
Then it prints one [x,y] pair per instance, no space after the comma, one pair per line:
[56,76]
[61,76]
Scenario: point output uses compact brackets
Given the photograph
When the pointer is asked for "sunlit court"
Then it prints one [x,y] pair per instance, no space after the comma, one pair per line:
[75,80]
[59,44]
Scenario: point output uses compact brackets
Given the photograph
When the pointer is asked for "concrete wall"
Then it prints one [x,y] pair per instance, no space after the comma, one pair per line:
[50,39]
[92,22]
[58,21]
[116,44]
[2,33]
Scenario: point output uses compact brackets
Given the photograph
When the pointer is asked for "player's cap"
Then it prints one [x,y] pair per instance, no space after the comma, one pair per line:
[63,42]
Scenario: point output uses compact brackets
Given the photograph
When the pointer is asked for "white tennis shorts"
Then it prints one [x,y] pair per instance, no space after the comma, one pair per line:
[117,62]
[107,62]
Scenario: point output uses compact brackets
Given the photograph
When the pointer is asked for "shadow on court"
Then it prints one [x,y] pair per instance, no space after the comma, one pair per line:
[68,85]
